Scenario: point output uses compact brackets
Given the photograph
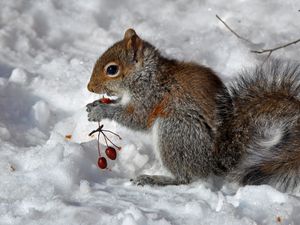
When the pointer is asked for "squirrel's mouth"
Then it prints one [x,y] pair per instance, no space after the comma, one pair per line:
[122,98]
[110,97]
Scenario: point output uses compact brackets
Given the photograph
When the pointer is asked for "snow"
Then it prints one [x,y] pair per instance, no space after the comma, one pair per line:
[48,49]
[18,76]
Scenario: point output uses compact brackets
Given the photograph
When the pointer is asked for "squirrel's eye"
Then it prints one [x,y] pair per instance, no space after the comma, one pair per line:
[112,69]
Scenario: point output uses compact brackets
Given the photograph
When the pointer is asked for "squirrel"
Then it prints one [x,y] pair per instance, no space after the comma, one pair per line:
[247,131]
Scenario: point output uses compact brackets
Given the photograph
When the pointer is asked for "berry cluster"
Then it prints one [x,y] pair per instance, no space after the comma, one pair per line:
[110,151]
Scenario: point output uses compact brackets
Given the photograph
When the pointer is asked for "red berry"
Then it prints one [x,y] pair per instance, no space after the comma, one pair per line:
[105,100]
[111,153]
[102,163]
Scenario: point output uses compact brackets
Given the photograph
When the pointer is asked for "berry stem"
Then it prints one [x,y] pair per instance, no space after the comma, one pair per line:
[98,142]
[104,138]
[110,141]
[99,129]
[113,133]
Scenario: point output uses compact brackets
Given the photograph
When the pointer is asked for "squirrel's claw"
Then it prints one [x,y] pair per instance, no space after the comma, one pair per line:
[88,108]
[92,105]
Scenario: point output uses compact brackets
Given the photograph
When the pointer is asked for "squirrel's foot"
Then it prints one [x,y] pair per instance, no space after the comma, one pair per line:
[157,180]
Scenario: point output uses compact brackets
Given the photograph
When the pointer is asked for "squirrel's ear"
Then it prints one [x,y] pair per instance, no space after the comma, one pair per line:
[133,42]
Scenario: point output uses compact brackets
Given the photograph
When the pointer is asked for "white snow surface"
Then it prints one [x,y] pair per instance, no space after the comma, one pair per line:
[48,49]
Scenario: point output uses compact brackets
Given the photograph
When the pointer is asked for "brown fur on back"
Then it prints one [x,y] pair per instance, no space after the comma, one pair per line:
[202,85]
[196,83]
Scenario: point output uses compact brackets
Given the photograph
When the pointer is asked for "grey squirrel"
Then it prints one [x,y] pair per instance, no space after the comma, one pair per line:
[248,132]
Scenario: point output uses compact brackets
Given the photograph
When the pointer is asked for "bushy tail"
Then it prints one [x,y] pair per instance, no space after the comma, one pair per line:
[259,138]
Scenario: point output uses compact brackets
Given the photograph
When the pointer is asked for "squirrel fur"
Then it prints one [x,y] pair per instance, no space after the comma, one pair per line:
[248,131]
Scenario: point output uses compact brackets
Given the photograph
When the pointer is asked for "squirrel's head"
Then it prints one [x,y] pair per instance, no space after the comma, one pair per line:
[120,62]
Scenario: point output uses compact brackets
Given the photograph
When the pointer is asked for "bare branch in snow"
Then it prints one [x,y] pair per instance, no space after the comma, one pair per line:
[270,50]
[232,31]
[262,51]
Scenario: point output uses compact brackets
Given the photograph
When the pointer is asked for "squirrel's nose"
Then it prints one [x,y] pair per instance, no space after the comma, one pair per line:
[90,87]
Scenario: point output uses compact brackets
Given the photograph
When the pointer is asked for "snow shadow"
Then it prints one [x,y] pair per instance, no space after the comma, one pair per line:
[5,70]
[18,116]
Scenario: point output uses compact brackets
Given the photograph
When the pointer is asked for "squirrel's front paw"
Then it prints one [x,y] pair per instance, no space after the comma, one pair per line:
[143,180]
[96,111]
[92,105]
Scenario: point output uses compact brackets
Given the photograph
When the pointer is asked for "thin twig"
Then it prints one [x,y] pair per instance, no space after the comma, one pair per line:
[276,48]
[101,131]
[113,133]
[110,141]
[232,31]
[97,130]
[104,139]
[268,56]
[269,51]
[98,143]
